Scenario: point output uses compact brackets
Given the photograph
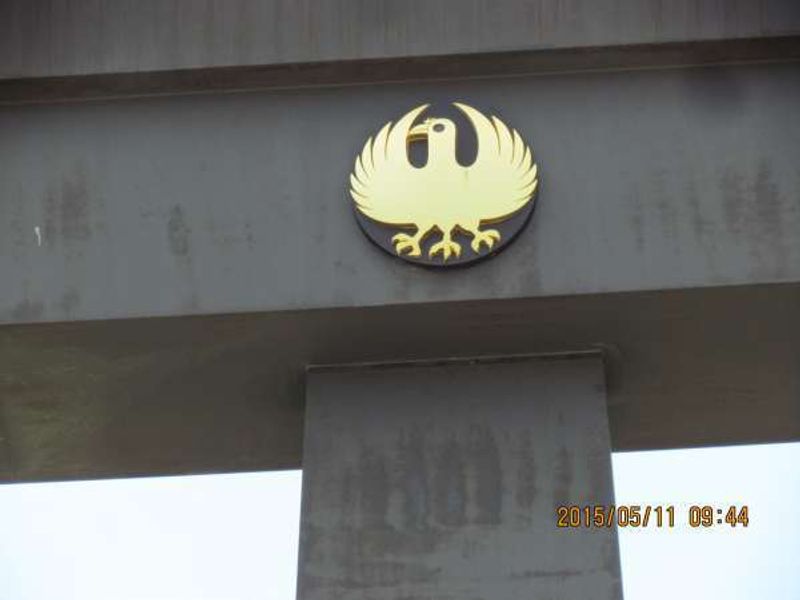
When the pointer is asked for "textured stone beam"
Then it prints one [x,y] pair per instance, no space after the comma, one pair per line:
[52,38]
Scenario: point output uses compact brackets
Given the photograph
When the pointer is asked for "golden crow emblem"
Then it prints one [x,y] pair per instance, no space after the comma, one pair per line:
[444,196]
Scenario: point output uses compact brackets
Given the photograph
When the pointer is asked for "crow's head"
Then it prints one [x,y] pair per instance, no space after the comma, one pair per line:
[441,137]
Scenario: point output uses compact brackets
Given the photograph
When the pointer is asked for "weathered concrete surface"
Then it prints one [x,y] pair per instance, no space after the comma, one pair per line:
[221,393]
[236,203]
[433,482]
[59,38]
[43,90]
[232,203]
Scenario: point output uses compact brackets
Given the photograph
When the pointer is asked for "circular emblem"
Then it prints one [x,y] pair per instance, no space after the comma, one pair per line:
[417,195]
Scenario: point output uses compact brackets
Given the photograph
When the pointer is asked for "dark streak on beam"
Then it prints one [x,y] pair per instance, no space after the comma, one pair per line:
[428,68]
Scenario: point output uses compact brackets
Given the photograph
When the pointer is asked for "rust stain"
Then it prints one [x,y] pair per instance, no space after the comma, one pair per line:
[373,493]
[527,490]
[562,477]
[485,460]
[771,251]
[754,214]
[67,214]
[450,485]
[637,219]
[74,208]
[413,474]
[69,302]
[27,311]
[733,200]
[665,204]
[702,226]
[178,232]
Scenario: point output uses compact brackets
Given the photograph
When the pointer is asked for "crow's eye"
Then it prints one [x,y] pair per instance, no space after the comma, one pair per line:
[438,128]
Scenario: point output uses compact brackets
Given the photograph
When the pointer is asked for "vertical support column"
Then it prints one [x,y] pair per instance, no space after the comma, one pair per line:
[442,481]
[6,465]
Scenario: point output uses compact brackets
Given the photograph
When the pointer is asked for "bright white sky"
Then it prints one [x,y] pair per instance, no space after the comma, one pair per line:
[234,537]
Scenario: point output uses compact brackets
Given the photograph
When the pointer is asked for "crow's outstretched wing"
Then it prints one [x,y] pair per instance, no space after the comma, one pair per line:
[503,177]
[380,180]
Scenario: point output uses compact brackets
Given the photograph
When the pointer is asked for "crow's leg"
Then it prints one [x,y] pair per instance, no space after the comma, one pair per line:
[487,236]
[403,241]
[446,246]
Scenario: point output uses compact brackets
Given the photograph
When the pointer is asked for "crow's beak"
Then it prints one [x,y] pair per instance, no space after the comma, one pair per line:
[418,132]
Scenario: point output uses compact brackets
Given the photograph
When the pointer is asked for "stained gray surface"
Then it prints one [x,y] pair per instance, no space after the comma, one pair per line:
[43,90]
[443,481]
[237,202]
[225,393]
[55,37]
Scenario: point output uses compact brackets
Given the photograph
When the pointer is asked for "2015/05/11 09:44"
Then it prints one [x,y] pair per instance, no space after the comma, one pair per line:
[636,515]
